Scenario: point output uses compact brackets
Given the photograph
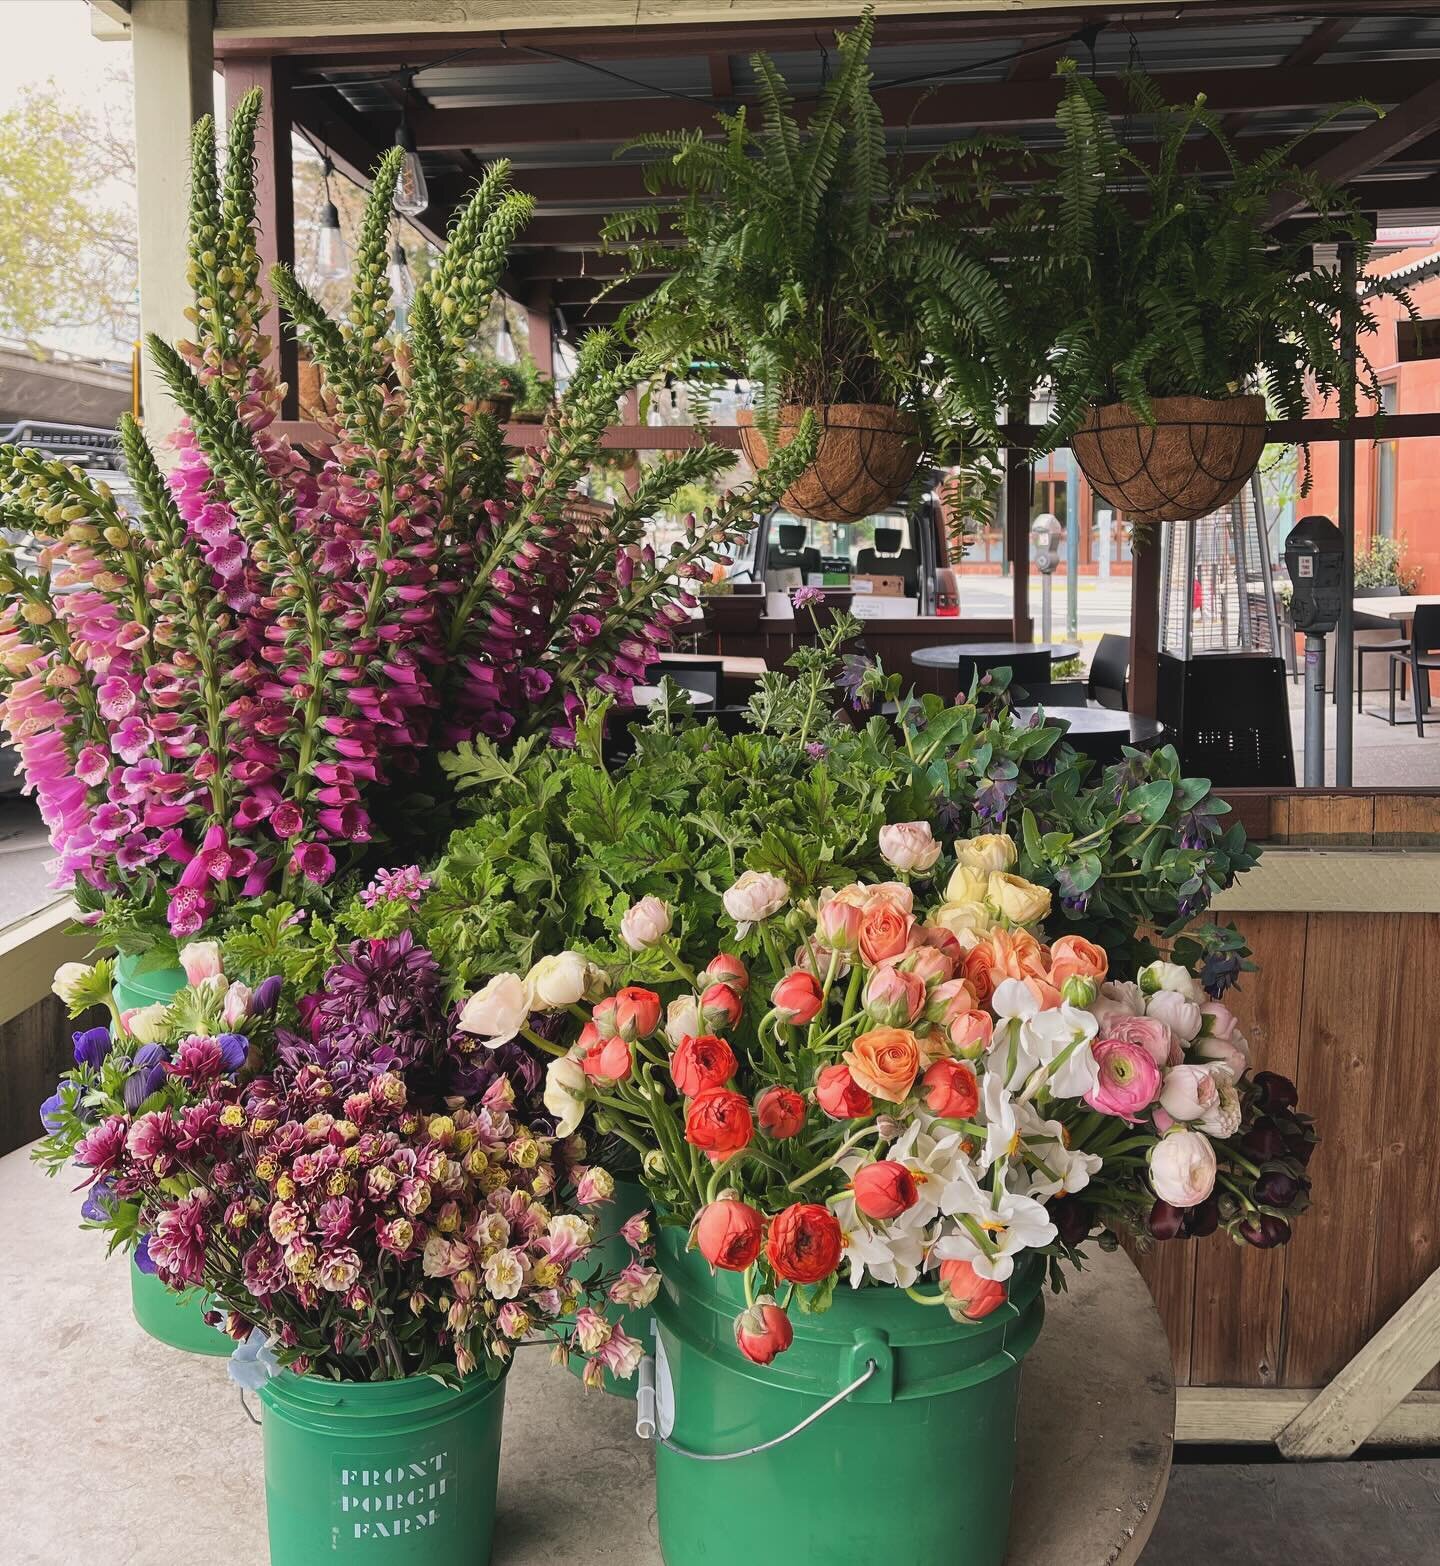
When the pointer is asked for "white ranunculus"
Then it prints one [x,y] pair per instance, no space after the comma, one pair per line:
[682,1019]
[70,980]
[564,1095]
[1181,1016]
[201,961]
[1182,1168]
[1170,976]
[645,924]
[1222,1119]
[1188,1092]
[558,980]
[990,851]
[755,896]
[909,845]
[497,1012]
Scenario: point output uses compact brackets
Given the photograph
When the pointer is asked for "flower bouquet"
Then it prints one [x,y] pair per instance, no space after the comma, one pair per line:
[379,1243]
[920,1099]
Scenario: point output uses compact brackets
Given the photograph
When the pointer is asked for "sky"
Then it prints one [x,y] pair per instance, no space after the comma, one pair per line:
[51,38]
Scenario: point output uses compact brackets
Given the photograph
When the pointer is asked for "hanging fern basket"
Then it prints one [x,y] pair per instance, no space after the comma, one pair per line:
[499,408]
[866,455]
[1198,454]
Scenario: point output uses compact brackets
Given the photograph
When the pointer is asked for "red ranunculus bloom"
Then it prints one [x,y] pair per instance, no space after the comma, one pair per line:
[798,998]
[637,1012]
[763,1330]
[701,1062]
[885,1189]
[805,1243]
[976,1296]
[728,1234]
[951,1090]
[838,1095]
[780,1112]
[718,1122]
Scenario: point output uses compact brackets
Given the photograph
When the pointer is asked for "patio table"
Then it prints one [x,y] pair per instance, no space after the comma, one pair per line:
[948,654]
[122,1449]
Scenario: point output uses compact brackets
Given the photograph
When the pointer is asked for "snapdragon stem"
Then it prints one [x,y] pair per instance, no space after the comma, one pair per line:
[926,1299]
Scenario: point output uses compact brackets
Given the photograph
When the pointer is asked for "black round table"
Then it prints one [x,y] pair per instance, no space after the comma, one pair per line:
[1100,732]
[946,655]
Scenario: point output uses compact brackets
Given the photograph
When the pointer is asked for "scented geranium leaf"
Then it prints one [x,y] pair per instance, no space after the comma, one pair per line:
[1150,801]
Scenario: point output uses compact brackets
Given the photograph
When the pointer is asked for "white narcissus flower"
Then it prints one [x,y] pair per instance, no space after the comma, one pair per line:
[1067,1169]
[755,896]
[990,851]
[497,1012]
[1012,1223]
[892,1253]
[201,961]
[1002,1125]
[645,924]
[71,980]
[1170,976]
[558,980]
[909,845]
[1060,1040]
[1182,1168]
[564,1095]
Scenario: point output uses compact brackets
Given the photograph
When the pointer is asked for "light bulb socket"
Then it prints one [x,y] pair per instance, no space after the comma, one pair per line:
[329,216]
[405,137]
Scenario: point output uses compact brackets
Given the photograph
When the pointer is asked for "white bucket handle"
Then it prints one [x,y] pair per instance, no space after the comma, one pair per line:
[647,1430]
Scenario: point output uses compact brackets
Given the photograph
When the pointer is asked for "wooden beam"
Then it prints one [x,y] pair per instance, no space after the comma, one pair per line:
[1341,1418]
[1238,1416]
[1145,626]
[1019,476]
[274,198]
[1380,141]
[952,105]
[537,302]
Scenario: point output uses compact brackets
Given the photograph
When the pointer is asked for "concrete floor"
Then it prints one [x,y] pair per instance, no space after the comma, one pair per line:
[1319,1514]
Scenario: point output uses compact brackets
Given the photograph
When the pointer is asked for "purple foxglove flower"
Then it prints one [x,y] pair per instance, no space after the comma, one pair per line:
[234,1047]
[91,1047]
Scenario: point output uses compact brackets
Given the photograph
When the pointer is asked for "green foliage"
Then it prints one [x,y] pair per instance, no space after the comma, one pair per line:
[1382,564]
[486,377]
[806,250]
[1166,283]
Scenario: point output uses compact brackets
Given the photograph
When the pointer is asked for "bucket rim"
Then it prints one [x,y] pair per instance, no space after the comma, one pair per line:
[311,1392]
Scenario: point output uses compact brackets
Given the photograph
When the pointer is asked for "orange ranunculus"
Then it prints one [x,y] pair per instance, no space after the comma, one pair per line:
[885,1062]
[1005,954]
[805,1243]
[1073,955]
[1043,991]
[701,1062]
[885,928]
[719,1122]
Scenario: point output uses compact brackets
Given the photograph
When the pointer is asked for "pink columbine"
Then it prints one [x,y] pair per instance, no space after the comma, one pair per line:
[635,1286]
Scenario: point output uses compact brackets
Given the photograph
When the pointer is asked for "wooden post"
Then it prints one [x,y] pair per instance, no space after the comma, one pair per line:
[1145,626]
[542,333]
[173,51]
[274,198]
[1018,473]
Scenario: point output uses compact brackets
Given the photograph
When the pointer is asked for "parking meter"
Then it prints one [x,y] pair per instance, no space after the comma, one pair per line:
[1315,559]
[1046,533]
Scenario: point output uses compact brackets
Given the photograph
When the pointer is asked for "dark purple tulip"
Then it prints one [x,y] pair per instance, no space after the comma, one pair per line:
[1071,1220]
[266,996]
[1275,1091]
[1264,1231]
[91,1047]
[234,1047]
[1275,1188]
[1301,1149]
[1166,1222]
[1263,1141]
[50,1112]
[1203,1219]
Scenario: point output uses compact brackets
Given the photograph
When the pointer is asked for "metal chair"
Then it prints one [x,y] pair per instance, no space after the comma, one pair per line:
[1421,658]
[1108,683]
[1026,669]
[1056,693]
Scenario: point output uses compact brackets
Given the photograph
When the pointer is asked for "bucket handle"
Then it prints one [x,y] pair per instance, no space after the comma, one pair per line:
[648,1430]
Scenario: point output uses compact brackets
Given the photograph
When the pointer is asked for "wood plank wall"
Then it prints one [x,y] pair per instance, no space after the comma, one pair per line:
[1345,1005]
[34,1049]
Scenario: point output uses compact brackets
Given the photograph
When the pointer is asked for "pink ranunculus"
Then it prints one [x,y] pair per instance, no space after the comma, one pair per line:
[838,925]
[1189,1092]
[893,997]
[909,845]
[1221,1041]
[1182,1168]
[1181,1016]
[1149,1032]
[1128,1082]
[201,961]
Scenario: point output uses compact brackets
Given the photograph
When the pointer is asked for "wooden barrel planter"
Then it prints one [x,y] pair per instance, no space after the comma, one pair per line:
[1197,455]
[866,455]
[498,408]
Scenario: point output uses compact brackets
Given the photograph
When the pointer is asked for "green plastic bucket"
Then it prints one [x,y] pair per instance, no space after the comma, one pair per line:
[915,1465]
[401,1473]
[143,979]
[175,1319]
[609,1257]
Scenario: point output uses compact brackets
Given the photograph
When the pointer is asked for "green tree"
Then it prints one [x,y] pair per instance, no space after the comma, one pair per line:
[67,235]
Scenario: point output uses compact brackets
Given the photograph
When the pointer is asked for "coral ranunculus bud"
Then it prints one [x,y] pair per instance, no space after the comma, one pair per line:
[885,1189]
[720,1006]
[951,1090]
[973,1295]
[727,969]
[763,1330]
[637,1012]
[798,998]
[728,1233]
[780,1112]
[838,1095]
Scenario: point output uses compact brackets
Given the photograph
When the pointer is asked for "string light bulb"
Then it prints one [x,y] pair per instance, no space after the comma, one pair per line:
[505,341]
[412,194]
[332,260]
[402,285]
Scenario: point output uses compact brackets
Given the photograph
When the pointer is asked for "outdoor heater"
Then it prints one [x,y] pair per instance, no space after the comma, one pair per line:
[1222,690]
